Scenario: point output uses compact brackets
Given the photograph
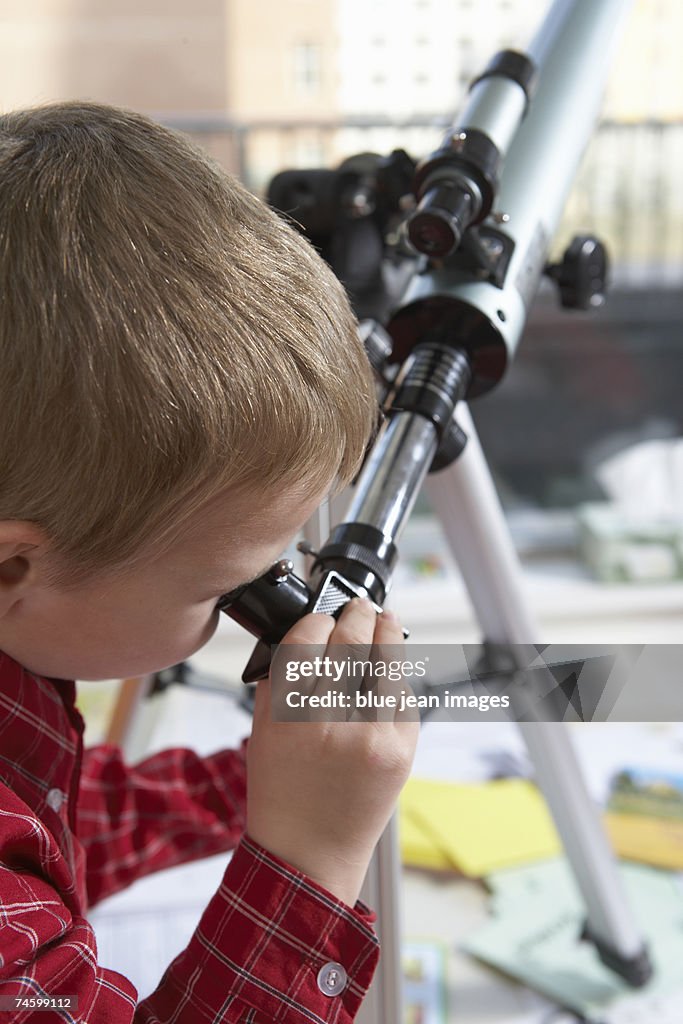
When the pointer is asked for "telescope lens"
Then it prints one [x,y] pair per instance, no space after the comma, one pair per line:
[438,224]
[433,233]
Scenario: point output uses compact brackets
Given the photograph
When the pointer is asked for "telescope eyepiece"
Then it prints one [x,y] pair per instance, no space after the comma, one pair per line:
[455,187]
[441,219]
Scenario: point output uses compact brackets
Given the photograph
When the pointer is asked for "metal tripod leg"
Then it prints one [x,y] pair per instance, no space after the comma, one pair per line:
[467,505]
[383,1003]
[465,500]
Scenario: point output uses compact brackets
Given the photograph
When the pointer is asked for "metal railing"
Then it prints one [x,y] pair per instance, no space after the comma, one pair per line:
[627,191]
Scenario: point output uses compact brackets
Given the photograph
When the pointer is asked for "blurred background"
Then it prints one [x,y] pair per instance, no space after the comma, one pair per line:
[279,84]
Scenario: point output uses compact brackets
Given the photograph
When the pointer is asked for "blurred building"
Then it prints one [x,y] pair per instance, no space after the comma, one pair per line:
[207,65]
[281,83]
[168,56]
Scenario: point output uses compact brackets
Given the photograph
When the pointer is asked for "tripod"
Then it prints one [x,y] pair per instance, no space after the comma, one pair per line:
[472,274]
[464,498]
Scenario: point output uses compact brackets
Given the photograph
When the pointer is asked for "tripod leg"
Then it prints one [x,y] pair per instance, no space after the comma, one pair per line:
[467,505]
[383,1003]
[318,527]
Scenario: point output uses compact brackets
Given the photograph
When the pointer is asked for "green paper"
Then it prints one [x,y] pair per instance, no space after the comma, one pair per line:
[537,918]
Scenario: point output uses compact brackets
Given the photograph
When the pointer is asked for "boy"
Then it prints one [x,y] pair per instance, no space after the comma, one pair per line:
[181,383]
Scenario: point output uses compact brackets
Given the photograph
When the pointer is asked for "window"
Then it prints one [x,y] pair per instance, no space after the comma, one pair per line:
[307,68]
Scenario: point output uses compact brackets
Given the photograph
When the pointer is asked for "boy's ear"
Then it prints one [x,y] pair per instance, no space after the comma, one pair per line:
[22,545]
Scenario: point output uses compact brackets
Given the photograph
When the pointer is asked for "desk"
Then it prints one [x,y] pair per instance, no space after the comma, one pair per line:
[157,915]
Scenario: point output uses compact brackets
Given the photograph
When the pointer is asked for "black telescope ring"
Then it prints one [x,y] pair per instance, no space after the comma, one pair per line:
[513,65]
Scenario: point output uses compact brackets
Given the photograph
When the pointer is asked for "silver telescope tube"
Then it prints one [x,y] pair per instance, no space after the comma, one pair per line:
[420,429]
[495,105]
[542,162]
[571,52]
[393,475]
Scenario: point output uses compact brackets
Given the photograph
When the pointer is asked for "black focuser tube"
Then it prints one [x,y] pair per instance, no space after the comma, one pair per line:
[455,188]
[268,606]
[444,214]
[361,554]
[436,380]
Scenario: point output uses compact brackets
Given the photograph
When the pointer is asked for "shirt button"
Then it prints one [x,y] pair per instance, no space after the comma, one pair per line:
[55,798]
[331,979]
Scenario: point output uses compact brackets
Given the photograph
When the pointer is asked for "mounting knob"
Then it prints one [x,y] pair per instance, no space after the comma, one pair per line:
[581,275]
[377,343]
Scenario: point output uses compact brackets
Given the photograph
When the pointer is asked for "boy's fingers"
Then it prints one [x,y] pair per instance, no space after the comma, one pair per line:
[305,664]
[262,698]
[389,648]
[356,624]
[313,628]
[351,641]
[386,644]
[388,629]
[334,656]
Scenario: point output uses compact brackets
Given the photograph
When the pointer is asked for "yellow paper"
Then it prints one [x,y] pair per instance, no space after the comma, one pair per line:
[476,828]
[657,841]
[418,848]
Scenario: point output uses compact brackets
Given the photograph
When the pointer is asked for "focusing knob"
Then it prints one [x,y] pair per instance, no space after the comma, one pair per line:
[306,548]
[279,572]
[581,275]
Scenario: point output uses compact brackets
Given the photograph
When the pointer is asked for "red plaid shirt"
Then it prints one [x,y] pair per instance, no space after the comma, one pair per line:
[76,826]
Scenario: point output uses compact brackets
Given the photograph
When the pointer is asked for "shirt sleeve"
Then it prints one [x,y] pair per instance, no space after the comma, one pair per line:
[271,945]
[169,809]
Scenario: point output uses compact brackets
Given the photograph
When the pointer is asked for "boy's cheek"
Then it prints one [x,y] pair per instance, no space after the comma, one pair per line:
[197,630]
[211,620]
[85,643]
[169,646]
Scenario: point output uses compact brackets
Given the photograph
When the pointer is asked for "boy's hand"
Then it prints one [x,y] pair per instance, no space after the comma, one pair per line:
[320,793]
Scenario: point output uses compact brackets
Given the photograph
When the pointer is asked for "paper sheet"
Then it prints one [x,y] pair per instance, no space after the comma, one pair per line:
[475,828]
[537,916]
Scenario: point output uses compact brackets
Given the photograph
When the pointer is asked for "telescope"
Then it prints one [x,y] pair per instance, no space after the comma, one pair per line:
[442,259]
[470,256]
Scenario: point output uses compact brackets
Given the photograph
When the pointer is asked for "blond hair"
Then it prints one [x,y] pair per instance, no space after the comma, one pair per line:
[163,336]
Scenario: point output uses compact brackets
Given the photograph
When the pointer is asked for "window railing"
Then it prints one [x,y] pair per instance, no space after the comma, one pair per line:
[628,188]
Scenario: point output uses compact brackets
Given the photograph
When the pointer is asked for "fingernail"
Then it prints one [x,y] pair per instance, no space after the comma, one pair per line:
[390,616]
